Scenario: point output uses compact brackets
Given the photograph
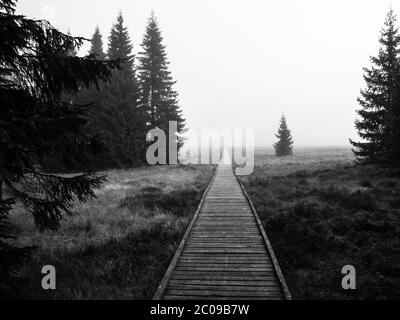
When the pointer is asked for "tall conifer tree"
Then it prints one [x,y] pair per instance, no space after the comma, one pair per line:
[127,128]
[97,45]
[284,146]
[100,118]
[379,122]
[158,98]
[94,98]
[35,70]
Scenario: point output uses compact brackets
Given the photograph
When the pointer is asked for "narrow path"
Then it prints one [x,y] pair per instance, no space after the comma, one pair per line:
[225,253]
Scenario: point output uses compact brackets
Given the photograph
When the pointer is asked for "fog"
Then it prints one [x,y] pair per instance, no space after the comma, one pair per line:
[241,64]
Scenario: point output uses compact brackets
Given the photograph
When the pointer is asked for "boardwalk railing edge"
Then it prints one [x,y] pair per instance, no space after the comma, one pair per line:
[271,252]
[164,282]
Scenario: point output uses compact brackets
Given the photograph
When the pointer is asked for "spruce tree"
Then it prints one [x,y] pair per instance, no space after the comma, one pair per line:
[284,146]
[126,124]
[379,118]
[158,98]
[35,71]
[97,45]
[57,161]
[95,97]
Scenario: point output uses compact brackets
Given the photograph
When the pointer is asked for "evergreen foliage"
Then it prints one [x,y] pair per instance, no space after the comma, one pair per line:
[36,69]
[126,123]
[114,109]
[379,118]
[284,146]
[158,99]
[94,97]
[97,45]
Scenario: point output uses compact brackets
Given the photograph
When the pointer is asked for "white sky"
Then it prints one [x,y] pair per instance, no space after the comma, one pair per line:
[239,64]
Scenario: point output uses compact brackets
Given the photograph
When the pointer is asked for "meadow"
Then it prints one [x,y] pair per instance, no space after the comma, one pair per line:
[322,212]
[119,245]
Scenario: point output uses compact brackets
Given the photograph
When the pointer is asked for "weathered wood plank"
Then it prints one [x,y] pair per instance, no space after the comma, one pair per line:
[226,260]
[225,288]
[223,264]
[186,297]
[221,293]
[228,236]
[226,269]
[227,250]
[237,283]
[227,256]
[224,245]
[230,277]
[223,255]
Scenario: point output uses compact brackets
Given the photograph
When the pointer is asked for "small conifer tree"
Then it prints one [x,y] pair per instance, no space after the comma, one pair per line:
[284,146]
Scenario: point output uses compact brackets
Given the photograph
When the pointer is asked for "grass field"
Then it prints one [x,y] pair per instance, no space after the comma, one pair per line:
[321,213]
[320,210]
[119,245]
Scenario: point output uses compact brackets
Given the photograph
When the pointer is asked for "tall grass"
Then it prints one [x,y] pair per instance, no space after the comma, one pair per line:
[321,220]
[118,246]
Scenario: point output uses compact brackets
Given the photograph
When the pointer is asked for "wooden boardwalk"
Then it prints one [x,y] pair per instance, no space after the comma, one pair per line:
[225,253]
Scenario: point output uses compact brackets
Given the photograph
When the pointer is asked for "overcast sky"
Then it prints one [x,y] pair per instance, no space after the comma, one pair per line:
[240,64]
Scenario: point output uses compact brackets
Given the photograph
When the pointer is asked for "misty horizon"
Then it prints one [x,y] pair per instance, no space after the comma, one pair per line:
[243,65]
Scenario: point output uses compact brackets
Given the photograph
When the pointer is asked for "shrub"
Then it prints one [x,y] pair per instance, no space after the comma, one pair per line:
[177,202]
[306,209]
[366,183]
[358,200]
[341,226]
[300,174]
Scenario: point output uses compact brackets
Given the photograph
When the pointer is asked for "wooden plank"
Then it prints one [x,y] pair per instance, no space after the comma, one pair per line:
[223,264]
[225,229]
[225,241]
[238,283]
[222,245]
[248,273]
[209,261]
[216,250]
[224,255]
[220,293]
[217,236]
[226,269]
[164,282]
[230,277]
[178,297]
[222,241]
[248,257]
[225,260]
[232,256]
[225,288]
[223,248]
[226,224]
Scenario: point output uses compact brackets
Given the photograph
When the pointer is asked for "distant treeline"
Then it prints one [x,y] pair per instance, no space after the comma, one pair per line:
[139,97]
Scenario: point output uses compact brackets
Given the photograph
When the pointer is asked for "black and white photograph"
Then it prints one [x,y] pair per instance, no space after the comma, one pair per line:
[202,157]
